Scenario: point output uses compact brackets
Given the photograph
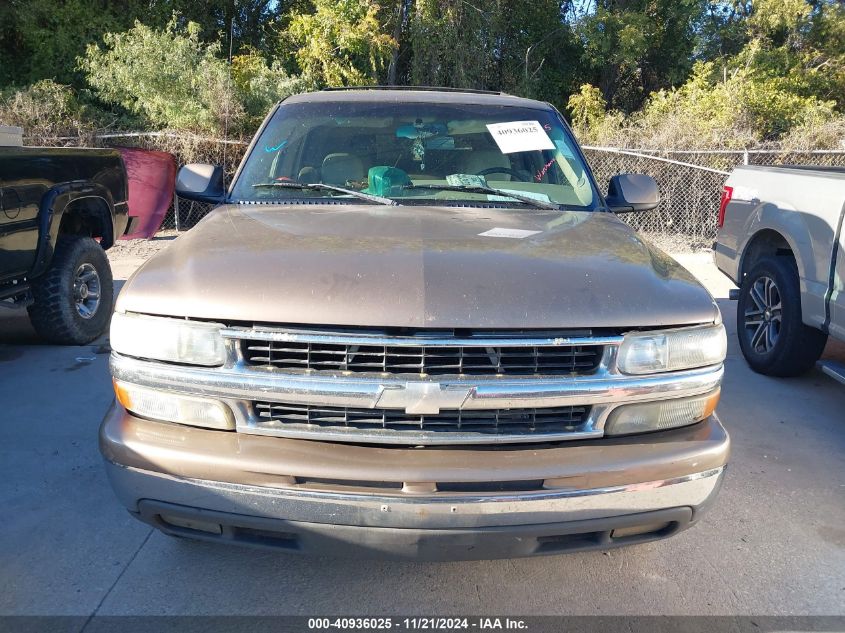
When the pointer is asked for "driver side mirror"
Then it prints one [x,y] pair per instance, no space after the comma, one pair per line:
[632,192]
[201,183]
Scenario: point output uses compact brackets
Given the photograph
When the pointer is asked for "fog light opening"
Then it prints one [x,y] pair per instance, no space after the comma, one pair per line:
[650,529]
[194,525]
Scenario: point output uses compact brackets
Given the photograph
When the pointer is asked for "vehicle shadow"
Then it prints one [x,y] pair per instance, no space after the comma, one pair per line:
[834,350]
[15,328]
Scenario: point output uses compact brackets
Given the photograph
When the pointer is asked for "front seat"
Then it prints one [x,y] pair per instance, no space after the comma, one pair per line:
[480,159]
[339,168]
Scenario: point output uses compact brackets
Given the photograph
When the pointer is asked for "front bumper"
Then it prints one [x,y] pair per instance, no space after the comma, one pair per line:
[431,503]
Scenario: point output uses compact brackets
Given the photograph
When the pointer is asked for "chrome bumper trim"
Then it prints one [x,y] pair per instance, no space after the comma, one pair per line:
[247,423]
[239,385]
[438,511]
[302,335]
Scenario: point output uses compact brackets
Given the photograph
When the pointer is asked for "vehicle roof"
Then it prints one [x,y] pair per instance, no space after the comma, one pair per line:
[418,95]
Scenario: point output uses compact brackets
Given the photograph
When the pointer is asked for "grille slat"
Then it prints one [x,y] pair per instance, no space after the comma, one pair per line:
[424,359]
[423,354]
[492,422]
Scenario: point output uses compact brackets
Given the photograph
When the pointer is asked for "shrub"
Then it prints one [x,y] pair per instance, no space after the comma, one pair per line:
[167,76]
[811,135]
[742,109]
[45,110]
[260,85]
[341,43]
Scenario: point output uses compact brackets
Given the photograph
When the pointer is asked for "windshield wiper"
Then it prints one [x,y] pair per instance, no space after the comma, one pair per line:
[489,191]
[319,186]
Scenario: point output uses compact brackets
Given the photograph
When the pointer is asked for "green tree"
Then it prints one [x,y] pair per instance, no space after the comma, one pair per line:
[591,121]
[524,48]
[260,85]
[722,29]
[46,110]
[788,74]
[533,50]
[799,45]
[451,43]
[634,47]
[247,20]
[167,76]
[341,43]
[41,40]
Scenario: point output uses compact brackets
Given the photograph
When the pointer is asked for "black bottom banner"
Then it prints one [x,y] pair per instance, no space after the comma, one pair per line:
[532,624]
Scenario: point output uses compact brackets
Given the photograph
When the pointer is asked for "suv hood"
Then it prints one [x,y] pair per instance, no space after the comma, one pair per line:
[419,267]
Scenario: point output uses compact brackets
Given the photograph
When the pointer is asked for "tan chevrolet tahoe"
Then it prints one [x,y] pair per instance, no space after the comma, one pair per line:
[415,328]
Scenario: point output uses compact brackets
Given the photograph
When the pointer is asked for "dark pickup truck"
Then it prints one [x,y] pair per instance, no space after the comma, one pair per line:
[60,209]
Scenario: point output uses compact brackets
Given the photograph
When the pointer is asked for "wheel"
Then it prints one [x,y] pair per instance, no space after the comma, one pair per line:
[73,299]
[772,336]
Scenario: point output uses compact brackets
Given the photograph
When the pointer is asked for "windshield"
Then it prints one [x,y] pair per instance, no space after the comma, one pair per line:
[417,153]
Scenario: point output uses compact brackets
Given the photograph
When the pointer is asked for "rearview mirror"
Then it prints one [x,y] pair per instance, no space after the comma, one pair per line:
[632,192]
[201,183]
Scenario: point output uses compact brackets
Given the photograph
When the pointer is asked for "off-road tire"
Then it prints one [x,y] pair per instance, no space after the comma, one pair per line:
[54,313]
[797,346]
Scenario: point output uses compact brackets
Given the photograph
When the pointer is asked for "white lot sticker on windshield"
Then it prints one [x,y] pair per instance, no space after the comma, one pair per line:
[512,233]
[520,136]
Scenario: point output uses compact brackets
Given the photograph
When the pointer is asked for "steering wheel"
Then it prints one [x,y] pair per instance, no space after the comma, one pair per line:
[504,170]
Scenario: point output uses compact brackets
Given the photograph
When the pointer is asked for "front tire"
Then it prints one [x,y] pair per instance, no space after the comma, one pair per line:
[772,335]
[73,299]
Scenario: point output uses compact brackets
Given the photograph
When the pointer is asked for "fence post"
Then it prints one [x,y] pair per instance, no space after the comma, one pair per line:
[176,210]
[745,156]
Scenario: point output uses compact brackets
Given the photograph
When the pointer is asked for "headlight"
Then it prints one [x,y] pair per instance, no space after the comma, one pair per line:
[660,415]
[174,407]
[174,340]
[671,350]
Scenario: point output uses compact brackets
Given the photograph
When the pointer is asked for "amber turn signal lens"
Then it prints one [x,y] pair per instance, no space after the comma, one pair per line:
[174,407]
[661,415]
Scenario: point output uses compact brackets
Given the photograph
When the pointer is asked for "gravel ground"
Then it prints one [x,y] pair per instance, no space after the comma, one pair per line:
[127,255]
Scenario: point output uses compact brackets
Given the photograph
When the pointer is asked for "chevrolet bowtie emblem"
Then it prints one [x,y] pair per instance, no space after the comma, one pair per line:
[423,398]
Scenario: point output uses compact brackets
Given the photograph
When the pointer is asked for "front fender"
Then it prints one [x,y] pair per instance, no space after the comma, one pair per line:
[793,227]
[790,226]
[54,204]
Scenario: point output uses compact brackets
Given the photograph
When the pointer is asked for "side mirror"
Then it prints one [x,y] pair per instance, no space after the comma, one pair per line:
[201,183]
[632,192]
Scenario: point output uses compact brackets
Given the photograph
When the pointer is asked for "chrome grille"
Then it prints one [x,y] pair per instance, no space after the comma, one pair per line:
[511,422]
[429,360]
[412,386]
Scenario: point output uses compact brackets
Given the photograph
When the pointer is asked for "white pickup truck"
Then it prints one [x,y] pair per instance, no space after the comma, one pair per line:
[781,241]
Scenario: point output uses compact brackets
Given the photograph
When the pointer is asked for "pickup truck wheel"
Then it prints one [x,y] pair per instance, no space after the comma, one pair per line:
[772,335]
[73,299]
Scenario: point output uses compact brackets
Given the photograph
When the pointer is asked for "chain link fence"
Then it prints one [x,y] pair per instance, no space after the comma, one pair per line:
[183,214]
[690,181]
